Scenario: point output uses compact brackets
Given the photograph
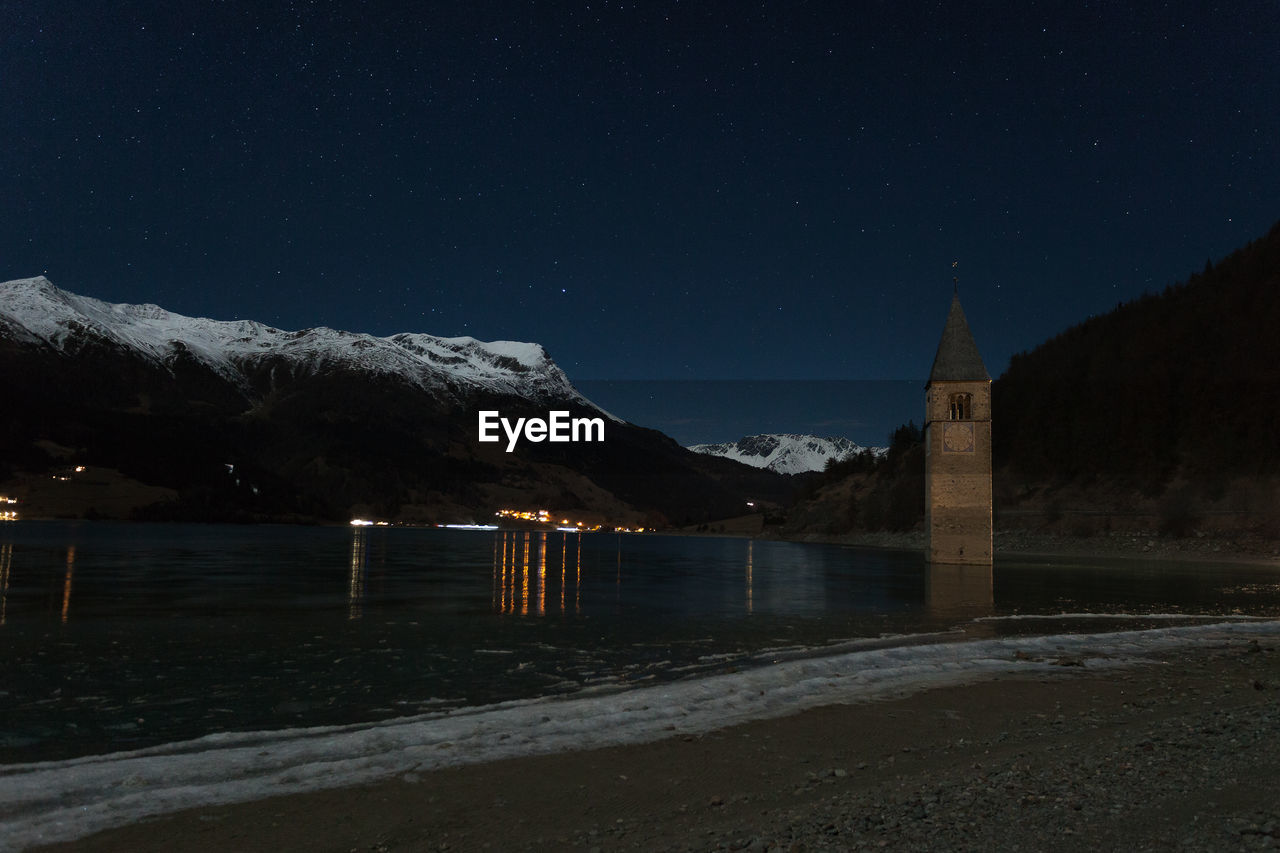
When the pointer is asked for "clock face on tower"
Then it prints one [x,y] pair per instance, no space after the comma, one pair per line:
[957,437]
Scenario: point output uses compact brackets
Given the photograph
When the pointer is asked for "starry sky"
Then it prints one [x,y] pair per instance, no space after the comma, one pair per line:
[692,191]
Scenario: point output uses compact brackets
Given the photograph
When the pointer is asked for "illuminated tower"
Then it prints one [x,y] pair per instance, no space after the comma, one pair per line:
[957,442]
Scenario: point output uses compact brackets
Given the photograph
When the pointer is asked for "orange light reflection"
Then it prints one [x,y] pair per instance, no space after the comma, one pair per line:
[524,578]
[542,573]
[66,583]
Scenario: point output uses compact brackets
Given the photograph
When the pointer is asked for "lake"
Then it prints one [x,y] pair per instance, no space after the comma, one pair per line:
[119,636]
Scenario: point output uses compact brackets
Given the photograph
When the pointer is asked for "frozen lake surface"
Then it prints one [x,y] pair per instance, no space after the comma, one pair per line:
[151,667]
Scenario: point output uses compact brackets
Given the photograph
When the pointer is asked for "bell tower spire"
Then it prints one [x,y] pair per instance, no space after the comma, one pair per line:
[957,440]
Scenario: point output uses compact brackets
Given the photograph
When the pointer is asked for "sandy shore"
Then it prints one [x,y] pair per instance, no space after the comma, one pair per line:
[1178,754]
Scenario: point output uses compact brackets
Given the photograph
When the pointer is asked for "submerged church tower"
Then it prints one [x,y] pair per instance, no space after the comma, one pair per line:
[957,442]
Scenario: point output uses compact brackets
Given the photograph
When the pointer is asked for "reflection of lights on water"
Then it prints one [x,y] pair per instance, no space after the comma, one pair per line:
[6,557]
[750,584]
[498,601]
[542,573]
[524,578]
[493,594]
[355,579]
[66,584]
[520,562]
[508,569]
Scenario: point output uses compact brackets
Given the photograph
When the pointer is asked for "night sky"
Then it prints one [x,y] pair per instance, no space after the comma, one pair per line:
[654,190]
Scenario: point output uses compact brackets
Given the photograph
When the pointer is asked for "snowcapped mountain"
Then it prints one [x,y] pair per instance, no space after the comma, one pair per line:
[786,453]
[34,311]
[320,424]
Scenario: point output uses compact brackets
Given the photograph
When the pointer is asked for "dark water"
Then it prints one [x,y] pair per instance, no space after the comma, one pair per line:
[114,636]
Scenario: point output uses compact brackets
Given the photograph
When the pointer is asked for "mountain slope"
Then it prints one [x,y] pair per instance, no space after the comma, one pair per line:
[322,423]
[786,453]
[37,312]
[1185,383]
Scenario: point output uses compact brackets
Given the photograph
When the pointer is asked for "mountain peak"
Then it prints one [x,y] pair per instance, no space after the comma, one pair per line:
[35,310]
[786,453]
[37,287]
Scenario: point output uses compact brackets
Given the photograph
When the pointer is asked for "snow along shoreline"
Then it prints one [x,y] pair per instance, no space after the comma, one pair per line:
[55,801]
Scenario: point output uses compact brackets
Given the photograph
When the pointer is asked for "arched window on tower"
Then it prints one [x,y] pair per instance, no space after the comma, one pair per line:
[961,408]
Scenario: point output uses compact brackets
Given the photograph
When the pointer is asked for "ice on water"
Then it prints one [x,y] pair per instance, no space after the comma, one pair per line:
[62,800]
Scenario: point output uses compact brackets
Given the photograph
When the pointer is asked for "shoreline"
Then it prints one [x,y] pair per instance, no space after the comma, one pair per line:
[808,822]
[1244,548]
[1247,549]
[1178,752]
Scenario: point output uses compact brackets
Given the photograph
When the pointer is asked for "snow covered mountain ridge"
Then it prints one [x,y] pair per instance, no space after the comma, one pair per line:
[34,311]
[787,453]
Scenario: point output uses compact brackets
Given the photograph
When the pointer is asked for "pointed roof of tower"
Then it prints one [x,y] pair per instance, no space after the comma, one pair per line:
[958,358]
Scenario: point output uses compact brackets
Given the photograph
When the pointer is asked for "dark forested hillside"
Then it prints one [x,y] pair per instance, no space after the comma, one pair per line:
[1161,415]
[1184,383]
